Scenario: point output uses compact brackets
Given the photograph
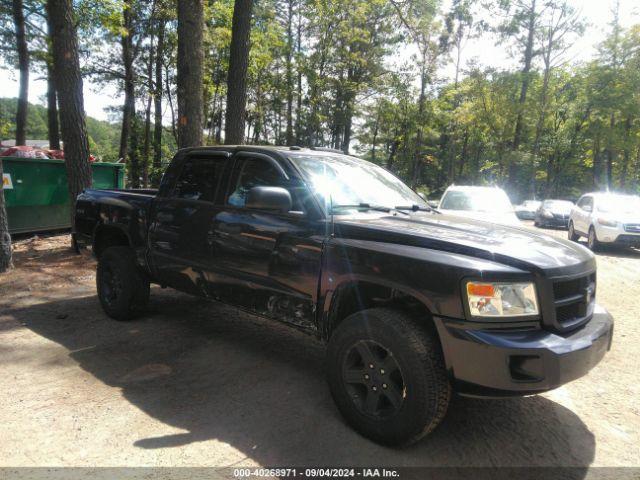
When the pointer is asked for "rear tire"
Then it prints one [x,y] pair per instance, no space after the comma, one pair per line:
[387,376]
[573,236]
[123,290]
[592,240]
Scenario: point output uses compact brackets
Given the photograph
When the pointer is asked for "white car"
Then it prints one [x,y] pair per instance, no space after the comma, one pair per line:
[490,204]
[606,218]
[527,211]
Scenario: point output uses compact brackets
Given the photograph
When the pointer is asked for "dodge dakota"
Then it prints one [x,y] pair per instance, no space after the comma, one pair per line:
[413,304]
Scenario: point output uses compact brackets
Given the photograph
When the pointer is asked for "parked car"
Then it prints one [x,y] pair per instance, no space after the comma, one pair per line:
[606,218]
[553,213]
[490,204]
[413,304]
[527,210]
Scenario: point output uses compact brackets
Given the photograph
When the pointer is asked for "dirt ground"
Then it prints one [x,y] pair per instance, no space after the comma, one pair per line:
[195,383]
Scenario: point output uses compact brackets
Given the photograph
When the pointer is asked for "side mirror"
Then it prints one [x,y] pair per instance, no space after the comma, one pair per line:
[588,208]
[269,198]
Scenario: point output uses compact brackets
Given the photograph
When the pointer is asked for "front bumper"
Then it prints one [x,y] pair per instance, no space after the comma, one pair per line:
[628,240]
[505,363]
[554,222]
[616,235]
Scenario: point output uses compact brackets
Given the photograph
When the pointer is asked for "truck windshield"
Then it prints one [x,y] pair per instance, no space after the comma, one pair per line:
[349,181]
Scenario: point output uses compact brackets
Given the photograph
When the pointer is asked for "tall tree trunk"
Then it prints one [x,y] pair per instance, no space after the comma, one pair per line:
[597,163]
[476,164]
[66,67]
[52,110]
[539,127]
[157,99]
[463,153]
[53,122]
[526,69]
[146,151]
[627,153]
[608,168]
[299,83]
[23,62]
[133,155]
[147,143]
[129,108]
[167,89]
[5,238]
[392,154]
[348,123]
[289,72]
[417,159]
[190,76]
[237,78]
[374,140]
[635,178]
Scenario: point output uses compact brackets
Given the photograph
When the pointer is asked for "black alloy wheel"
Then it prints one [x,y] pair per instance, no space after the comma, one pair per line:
[111,285]
[373,379]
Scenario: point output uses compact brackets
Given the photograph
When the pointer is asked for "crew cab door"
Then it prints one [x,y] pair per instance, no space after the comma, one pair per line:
[582,216]
[271,260]
[179,236]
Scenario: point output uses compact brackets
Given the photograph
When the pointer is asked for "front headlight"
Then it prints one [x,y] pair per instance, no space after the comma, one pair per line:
[500,299]
[607,223]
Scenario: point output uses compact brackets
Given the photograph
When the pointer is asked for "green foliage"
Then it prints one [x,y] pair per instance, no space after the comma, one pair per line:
[364,75]
[103,136]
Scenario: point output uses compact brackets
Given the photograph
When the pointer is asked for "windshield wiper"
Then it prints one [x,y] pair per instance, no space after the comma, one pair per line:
[368,206]
[418,208]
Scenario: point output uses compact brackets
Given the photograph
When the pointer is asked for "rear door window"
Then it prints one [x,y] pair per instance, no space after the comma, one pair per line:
[199,179]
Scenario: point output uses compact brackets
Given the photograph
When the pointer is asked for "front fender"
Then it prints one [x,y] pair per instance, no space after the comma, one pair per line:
[432,277]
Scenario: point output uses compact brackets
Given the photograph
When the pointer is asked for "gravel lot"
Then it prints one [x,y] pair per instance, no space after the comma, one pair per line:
[195,383]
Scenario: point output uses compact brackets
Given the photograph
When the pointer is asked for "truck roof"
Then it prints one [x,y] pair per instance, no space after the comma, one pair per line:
[277,148]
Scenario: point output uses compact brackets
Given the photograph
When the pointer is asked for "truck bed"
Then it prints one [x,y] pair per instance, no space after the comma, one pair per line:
[137,191]
[125,209]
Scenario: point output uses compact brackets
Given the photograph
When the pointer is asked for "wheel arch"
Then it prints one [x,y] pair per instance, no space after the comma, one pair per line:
[106,236]
[361,293]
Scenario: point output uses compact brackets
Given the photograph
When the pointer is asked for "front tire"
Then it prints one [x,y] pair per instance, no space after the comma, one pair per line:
[572,235]
[387,376]
[122,288]
[592,240]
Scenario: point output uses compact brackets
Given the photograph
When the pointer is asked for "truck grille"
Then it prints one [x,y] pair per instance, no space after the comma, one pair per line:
[632,227]
[574,300]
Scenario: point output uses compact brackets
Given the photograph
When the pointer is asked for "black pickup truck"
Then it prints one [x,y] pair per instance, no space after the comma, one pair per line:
[413,304]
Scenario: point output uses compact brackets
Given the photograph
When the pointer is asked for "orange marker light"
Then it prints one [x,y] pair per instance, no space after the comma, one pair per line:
[480,289]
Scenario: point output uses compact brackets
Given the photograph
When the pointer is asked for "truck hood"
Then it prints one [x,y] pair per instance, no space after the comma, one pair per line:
[514,246]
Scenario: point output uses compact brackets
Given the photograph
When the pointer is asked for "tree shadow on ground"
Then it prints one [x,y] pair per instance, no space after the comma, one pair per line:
[259,386]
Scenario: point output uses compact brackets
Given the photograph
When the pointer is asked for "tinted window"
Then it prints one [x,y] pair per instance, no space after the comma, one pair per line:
[585,201]
[255,172]
[199,179]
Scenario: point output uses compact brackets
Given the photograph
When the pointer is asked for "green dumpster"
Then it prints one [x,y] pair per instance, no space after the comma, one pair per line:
[35,191]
